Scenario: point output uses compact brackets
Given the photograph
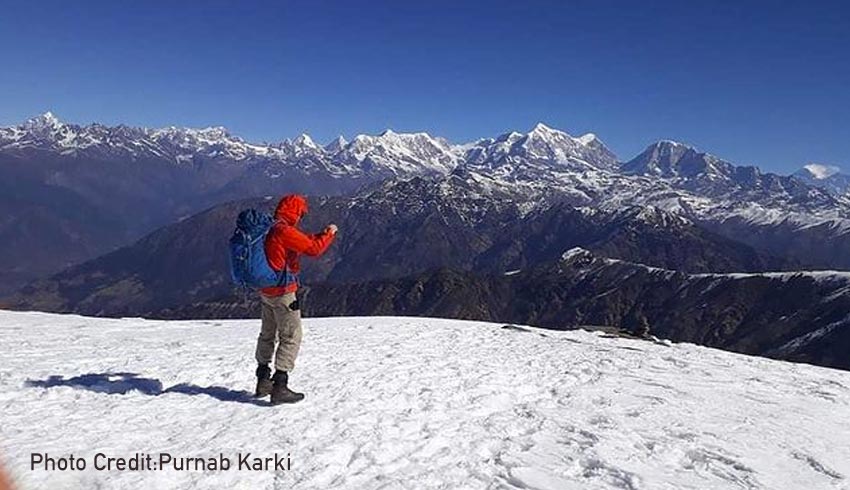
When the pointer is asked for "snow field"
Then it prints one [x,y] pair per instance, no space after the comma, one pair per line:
[415,403]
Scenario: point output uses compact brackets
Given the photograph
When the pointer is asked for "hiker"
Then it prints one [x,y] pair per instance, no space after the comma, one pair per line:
[281,316]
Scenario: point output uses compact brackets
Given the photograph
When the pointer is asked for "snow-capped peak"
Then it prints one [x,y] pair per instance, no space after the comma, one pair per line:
[545,131]
[208,133]
[827,177]
[214,132]
[336,145]
[305,140]
[44,130]
[48,119]
[394,153]
[540,151]
[542,128]
[820,172]
[670,159]
[672,144]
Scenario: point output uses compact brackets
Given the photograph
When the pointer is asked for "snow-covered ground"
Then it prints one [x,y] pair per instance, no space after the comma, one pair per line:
[414,403]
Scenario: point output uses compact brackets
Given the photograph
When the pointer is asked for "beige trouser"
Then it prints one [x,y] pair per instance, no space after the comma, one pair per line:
[283,324]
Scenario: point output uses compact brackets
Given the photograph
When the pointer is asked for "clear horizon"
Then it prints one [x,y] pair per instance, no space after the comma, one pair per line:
[756,83]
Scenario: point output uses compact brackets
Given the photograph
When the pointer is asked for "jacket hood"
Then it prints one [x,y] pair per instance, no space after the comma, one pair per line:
[290,209]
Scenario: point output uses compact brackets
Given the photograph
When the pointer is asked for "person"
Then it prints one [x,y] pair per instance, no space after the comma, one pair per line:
[281,314]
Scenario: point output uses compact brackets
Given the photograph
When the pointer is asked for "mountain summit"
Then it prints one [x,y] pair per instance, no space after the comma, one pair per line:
[828,177]
[46,120]
[820,172]
[528,157]
[670,160]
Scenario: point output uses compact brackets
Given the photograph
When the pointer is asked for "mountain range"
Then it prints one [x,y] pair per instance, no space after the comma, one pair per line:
[134,221]
[71,192]
[74,192]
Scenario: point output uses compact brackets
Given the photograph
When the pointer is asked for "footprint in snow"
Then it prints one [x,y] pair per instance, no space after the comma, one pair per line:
[597,469]
[602,422]
[719,465]
[817,466]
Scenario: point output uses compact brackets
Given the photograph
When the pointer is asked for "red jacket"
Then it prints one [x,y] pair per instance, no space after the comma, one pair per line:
[285,243]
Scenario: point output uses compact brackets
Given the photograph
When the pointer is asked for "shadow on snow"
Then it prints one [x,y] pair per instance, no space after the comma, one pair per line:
[123,383]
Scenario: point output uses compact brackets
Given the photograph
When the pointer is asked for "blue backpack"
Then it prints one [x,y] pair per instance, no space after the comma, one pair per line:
[249,267]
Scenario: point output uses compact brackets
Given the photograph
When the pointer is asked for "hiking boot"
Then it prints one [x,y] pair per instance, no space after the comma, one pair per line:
[264,381]
[281,392]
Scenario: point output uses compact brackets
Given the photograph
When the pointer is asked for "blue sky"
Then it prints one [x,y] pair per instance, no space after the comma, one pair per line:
[755,82]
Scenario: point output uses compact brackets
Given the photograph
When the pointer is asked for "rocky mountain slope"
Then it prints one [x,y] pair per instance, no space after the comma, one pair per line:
[407,256]
[400,229]
[800,316]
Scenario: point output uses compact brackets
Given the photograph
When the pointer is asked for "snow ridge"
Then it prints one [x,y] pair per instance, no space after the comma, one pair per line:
[840,277]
